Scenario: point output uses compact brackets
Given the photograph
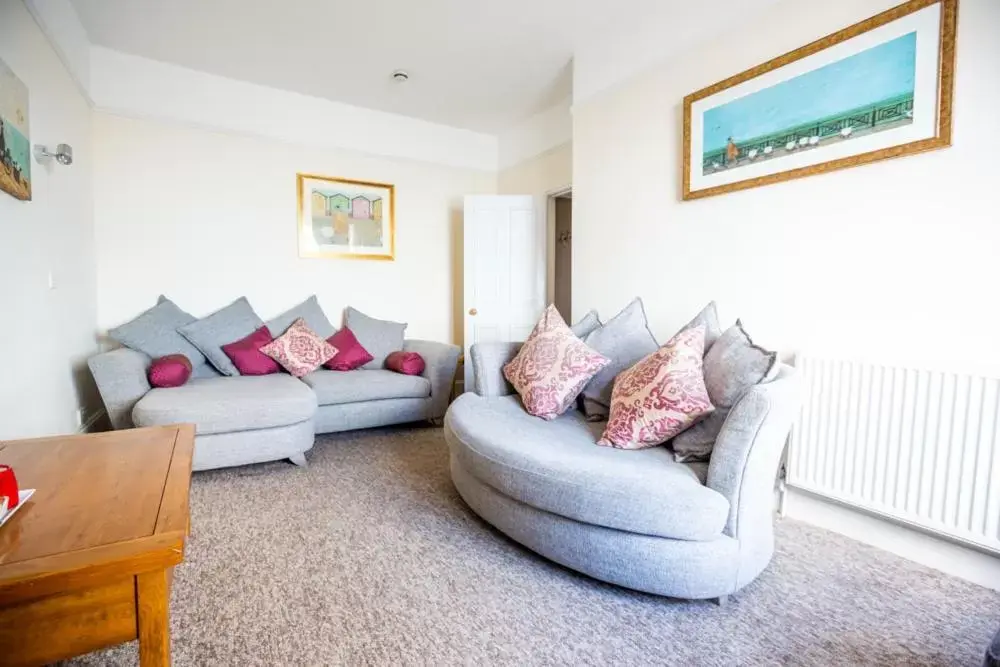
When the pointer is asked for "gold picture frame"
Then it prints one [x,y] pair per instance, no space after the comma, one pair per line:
[720,166]
[344,218]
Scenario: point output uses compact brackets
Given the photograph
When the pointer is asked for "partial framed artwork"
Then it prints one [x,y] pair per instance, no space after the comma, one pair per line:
[15,146]
[879,89]
[343,218]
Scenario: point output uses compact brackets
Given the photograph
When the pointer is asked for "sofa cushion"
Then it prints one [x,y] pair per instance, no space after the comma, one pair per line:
[589,322]
[709,318]
[557,467]
[338,387]
[154,332]
[227,404]
[299,350]
[310,311]
[625,339]
[379,337]
[222,327]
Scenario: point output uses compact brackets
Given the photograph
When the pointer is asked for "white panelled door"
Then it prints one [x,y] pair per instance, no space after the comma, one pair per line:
[504,270]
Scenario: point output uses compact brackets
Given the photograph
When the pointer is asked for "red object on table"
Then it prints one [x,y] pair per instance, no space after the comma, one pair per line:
[8,486]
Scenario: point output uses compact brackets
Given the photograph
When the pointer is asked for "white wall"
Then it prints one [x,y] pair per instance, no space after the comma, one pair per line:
[46,334]
[893,261]
[205,217]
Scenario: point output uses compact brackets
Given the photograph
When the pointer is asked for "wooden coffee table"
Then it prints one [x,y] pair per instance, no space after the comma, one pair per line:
[88,561]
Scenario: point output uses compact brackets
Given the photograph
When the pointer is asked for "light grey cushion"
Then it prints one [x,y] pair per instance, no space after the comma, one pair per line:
[557,467]
[154,333]
[733,366]
[226,404]
[336,387]
[379,337]
[228,325]
[587,324]
[709,318]
[625,340]
[310,311]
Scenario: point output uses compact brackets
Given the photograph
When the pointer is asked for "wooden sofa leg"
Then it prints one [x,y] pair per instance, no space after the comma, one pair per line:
[722,600]
[299,460]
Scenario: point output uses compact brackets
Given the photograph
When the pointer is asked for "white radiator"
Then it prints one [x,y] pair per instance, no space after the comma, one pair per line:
[918,446]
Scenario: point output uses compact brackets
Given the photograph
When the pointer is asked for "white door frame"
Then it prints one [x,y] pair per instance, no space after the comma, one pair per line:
[548,214]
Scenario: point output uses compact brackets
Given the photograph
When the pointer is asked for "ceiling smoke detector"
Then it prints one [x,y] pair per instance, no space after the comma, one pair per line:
[400,76]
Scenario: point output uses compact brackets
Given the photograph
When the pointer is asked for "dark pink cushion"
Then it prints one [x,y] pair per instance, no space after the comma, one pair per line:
[172,370]
[247,357]
[407,363]
[350,353]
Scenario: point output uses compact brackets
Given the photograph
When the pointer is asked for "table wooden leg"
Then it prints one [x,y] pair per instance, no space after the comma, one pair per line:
[153,605]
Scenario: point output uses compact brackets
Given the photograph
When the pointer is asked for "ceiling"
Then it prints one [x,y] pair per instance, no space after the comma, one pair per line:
[478,64]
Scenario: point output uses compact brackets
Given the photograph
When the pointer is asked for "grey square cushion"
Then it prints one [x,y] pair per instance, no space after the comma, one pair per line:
[379,337]
[154,333]
[209,334]
[732,366]
[586,325]
[557,467]
[337,387]
[625,340]
[709,318]
[310,311]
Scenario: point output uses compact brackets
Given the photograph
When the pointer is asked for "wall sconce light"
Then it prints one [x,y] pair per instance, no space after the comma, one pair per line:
[63,154]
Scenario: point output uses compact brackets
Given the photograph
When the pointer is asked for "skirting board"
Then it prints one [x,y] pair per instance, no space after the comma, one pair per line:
[948,557]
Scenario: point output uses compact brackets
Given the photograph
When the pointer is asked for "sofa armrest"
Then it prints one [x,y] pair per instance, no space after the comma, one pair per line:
[441,361]
[120,376]
[747,453]
[488,360]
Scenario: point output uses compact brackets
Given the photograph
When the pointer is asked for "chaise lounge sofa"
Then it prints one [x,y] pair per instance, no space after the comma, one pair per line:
[638,519]
[252,419]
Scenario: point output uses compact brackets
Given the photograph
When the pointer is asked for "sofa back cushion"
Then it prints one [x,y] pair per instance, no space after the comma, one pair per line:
[310,311]
[379,337]
[154,332]
[224,326]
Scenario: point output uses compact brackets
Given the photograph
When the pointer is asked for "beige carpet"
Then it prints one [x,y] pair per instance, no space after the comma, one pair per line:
[369,557]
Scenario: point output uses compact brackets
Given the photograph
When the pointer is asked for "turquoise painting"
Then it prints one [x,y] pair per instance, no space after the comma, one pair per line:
[870,91]
[15,147]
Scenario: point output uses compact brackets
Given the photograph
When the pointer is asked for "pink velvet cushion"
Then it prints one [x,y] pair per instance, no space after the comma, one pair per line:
[350,353]
[247,357]
[172,370]
[299,350]
[407,363]
[661,396]
[552,367]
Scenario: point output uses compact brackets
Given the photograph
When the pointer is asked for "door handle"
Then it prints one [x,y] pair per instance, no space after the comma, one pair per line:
[473,312]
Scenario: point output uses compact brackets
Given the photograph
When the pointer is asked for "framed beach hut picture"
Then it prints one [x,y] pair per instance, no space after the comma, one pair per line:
[343,218]
[15,145]
[879,89]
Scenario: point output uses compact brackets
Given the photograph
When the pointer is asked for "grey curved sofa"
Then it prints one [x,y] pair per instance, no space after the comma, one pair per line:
[252,419]
[634,518]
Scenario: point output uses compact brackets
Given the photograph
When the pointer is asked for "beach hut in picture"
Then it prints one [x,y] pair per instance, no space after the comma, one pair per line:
[361,208]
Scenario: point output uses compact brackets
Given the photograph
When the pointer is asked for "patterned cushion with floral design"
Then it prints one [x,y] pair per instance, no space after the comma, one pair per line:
[660,396]
[552,367]
[299,350]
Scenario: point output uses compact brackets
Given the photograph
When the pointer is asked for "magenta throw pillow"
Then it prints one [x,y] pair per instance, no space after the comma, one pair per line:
[247,357]
[350,353]
[172,370]
[407,363]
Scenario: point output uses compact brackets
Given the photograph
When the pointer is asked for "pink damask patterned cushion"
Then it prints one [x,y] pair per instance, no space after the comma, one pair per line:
[660,396]
[299,350]
[552,367]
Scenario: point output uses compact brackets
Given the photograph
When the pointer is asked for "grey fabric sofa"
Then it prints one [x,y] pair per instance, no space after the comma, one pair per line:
[252,419]
[634,518]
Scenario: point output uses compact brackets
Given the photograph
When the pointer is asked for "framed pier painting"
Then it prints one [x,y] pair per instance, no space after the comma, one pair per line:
[879,89]
[349,219]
